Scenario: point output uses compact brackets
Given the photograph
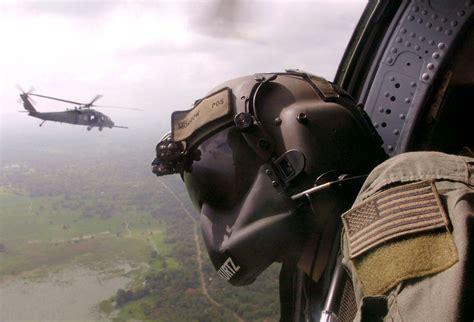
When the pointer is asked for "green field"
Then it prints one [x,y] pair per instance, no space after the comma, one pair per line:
[39,235]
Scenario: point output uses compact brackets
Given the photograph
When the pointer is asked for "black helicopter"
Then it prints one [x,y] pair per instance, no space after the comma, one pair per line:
[82,114]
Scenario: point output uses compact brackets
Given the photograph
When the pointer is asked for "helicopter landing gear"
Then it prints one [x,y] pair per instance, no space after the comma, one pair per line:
[89,128]
[42,123]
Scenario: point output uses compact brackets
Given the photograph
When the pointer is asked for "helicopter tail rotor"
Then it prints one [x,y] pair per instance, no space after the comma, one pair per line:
[28,93]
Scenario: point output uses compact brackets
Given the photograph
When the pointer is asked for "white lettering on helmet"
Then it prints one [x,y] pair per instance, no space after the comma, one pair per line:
[228,269]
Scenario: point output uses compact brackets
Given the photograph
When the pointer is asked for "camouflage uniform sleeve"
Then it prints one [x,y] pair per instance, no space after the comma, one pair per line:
[407,240]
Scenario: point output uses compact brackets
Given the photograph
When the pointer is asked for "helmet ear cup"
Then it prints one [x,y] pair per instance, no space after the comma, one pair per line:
[331,134]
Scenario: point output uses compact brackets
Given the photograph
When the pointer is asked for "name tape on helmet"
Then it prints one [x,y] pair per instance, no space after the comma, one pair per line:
[210,108]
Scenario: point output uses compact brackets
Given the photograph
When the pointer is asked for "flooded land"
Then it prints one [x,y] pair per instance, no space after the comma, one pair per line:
[72,294]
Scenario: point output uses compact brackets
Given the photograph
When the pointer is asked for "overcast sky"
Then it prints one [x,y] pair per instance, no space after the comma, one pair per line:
[157,55]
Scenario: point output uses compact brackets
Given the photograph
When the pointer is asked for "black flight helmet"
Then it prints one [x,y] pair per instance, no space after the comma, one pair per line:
[249,150]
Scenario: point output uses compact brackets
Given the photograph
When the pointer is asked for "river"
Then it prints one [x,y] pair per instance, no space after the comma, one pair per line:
[72,294]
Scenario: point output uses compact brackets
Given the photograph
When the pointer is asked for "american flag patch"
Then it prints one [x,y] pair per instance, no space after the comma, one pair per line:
[399,211]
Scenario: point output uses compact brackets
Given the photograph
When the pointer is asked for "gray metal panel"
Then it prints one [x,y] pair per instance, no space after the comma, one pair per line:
[411,60]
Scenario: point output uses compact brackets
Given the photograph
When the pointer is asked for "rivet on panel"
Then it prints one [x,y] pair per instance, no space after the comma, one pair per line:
[434,16]
[429,25]
[413,35]
[461,13]
[376,125]
[454,23]
[430,66]
[441,45]
[417,47]
[439,28]
[386,94]
[396,132]
[422,38]
[274,183]
[277,121]
[389,60]
[449,32]
[468,3]
[302,118]
[393,50]
[431,42]
[419,20]
[402,116]
[403,30]
[407,100]
[424,12]
[408,44]
[412,84]
[425,76]
[444,20]
[390,148]
[392,78]
[268,172]
[435,55]
[415,8]
[411,18]
[381,110]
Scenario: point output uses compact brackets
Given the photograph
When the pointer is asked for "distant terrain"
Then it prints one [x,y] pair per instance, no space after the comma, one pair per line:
[91,201]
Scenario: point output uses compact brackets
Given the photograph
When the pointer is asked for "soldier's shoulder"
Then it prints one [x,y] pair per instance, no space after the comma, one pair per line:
[416,166]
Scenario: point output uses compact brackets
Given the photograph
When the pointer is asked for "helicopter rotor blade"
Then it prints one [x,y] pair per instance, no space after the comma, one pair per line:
[18,87]
[91,103]
[58,99]
[119,107]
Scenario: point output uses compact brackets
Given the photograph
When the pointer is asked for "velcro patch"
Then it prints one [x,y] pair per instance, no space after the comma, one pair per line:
[403,210]
[210,108]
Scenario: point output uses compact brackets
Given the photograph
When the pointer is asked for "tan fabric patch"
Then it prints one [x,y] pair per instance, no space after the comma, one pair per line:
[185,123]
[385,266]
[400,211]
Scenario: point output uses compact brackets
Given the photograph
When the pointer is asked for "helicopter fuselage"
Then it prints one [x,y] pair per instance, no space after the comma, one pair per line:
[87,117]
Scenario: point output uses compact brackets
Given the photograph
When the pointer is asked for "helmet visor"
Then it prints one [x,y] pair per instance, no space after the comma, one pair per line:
[221,170]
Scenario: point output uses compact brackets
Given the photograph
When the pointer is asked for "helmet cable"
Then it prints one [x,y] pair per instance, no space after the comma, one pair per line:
[327,185]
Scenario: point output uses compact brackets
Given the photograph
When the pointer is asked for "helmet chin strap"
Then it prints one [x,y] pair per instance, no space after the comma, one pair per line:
[342,179]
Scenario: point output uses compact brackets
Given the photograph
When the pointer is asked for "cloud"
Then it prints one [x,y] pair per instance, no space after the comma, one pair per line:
[162,55]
